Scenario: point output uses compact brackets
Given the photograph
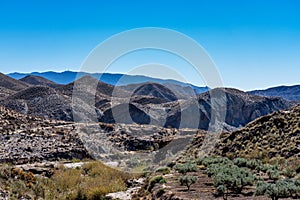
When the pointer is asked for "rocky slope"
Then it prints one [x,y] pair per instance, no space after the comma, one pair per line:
[9,86]
[272,136]
[291,93]
[24,139]
[240,108]
[46,102]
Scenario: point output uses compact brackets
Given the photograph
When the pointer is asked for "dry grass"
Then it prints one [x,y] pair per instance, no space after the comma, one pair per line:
[92,181]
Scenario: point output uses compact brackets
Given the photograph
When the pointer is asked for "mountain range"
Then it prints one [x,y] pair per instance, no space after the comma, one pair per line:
[112,79]
[290,93]
[166,104]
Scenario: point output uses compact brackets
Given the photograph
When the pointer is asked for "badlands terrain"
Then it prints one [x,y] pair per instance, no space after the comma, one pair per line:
[49,147]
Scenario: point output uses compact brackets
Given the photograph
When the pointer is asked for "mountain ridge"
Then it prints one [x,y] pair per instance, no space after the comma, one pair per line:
[67,77]
[291,93]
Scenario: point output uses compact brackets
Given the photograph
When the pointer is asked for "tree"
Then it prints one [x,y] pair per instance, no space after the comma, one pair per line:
[187,181]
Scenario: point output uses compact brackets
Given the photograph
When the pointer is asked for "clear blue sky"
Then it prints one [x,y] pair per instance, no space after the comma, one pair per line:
[254,43]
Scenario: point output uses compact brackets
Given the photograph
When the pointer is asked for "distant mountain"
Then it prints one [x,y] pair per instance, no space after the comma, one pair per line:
[291,93]
[112,79]
[38,80]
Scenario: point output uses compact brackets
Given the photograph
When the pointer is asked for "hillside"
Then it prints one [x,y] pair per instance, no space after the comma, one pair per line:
[241,108]
[155,90]
[11,84]
[272,136]
[291,93]
[46,102]
[26,139]
[180,91]
[38,80]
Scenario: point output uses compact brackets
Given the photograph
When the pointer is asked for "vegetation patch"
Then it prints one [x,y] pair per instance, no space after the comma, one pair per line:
[92,181]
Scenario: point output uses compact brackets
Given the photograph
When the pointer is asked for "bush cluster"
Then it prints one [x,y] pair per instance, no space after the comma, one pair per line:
[281,189]
[186,167]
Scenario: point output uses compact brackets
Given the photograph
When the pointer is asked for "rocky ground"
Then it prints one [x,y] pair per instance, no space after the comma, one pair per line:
[26,139]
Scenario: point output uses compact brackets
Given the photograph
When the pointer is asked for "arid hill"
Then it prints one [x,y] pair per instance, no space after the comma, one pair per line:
[240,108]
[38,80]
[275,135]
[152,90]
[46,102]
[9,86]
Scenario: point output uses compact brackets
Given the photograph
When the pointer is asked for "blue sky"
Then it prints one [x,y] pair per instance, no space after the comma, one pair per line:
[255,44]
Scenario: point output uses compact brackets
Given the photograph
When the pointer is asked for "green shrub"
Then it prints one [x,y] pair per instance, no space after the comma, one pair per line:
[207,161]
[241,162]
[280,189]
[187,181]
[288,172]
[154,180]
[274,174]
[254,164]
[186,167]
[232,177]
[213,169]
[163,170]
